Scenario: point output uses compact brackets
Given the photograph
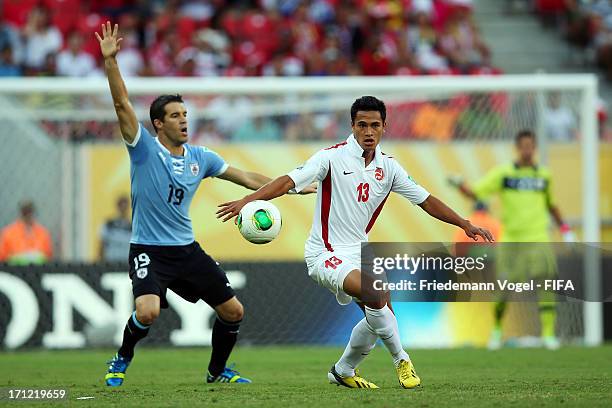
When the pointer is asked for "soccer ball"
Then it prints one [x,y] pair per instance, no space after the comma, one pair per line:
[259,222]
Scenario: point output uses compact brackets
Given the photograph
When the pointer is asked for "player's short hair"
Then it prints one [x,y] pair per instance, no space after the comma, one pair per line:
[368,104]
[158,107]
[525,133]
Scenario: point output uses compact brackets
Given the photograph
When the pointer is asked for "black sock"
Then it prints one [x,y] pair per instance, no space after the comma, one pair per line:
[134,331]
[224,337]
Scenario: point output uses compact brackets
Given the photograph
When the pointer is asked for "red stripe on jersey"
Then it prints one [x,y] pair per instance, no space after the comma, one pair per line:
[336,145]
[376,213]
[325,207]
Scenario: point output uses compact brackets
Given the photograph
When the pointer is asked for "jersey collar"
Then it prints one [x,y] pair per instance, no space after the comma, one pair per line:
[357,151]
[517,166]
[168,151]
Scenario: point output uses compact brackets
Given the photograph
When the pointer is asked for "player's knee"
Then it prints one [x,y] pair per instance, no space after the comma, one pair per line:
[237,312]
[234,313]
[147,315]
[377,303]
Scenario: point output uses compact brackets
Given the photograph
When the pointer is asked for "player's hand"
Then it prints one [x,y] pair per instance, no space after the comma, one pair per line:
[455,180]
[567,234]
[109,43]
[569,237]
[230,209]
[311,189]
[474,232]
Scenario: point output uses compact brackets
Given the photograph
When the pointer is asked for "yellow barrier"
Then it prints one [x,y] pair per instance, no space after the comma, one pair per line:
[428,163]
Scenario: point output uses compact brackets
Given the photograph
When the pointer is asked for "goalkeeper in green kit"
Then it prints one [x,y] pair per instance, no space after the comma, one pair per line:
[527,205]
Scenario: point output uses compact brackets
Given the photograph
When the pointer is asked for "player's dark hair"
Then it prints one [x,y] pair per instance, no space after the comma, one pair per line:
[158,107]
[526,133]
[368,104]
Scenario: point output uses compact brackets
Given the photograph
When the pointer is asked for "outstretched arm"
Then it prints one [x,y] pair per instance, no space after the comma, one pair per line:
[273,189]
[461,185]
[441,211]
[253,181]
[467,191]
[491,183]
[300,179]
[109,46]
[246,179]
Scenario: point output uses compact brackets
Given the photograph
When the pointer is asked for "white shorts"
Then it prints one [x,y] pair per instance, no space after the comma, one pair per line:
[329,269]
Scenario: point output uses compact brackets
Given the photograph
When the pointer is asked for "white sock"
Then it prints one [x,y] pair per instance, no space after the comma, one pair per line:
[363,339]
[384,323]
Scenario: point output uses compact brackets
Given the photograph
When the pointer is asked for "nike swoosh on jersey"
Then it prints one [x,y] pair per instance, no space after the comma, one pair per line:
[346,173]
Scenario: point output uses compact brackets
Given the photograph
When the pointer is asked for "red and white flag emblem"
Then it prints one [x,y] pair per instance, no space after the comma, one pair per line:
[379,174]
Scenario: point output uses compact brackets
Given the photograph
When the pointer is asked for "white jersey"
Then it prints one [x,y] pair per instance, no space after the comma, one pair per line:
[350,195]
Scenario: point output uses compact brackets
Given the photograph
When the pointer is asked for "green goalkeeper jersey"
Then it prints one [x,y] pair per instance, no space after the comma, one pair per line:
[526,197]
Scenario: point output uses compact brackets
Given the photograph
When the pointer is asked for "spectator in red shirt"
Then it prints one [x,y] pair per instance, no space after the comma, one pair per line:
[162,54]
[372,59]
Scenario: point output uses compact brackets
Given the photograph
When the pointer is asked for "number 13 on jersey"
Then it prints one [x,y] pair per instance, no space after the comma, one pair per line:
[363,192]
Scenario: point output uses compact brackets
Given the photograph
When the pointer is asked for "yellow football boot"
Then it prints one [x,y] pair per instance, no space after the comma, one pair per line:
[355,381]
[408,378]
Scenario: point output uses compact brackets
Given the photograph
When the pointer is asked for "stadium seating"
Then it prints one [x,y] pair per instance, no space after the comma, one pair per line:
[325,37]
[190,38]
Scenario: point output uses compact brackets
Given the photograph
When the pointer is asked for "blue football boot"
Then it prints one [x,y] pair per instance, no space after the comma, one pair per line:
[116,371]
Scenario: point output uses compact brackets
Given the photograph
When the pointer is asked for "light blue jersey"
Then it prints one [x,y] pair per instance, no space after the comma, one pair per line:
[163,186]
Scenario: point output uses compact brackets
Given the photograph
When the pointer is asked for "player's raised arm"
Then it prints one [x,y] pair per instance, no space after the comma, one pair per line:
[109,46]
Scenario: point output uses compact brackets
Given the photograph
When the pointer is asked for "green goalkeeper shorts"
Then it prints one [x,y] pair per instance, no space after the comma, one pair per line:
[521,262]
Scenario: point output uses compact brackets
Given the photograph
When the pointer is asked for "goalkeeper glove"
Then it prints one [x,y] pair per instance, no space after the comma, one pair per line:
[567,234]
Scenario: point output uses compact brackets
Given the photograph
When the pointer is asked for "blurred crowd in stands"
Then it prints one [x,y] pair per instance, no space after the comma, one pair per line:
[586,24]
[267,38]
[240,118]
[244,38]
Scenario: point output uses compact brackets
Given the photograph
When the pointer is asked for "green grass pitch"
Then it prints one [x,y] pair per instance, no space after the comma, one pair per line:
[296,376]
